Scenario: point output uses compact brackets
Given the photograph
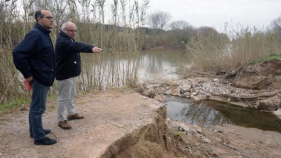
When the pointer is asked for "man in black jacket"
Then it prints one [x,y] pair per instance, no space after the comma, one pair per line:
[34,57]
[68,66]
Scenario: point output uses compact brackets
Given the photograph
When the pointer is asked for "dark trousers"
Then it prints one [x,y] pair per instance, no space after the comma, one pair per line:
[37,108]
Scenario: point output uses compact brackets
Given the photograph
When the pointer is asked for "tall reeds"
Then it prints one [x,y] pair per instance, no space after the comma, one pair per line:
[212,52]
[115,66]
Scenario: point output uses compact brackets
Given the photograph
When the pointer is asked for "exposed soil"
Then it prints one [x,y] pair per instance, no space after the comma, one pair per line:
[264,75]
[125,124]
[114,120]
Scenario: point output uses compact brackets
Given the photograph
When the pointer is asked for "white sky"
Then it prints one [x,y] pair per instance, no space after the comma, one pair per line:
[216,13]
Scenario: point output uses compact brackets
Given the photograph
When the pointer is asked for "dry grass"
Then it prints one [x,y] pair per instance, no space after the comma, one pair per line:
[246,45]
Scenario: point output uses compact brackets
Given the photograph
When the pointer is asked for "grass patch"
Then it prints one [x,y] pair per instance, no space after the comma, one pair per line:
[266,58]
[18,103]
[12,105]
[176,133]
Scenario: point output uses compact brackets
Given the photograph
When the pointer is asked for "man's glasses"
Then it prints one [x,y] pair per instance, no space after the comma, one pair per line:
[49,17]
[71,30]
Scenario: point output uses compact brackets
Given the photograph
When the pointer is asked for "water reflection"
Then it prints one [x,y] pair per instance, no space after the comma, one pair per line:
[247,117]
[161,64]
[195,113]
[121,68]
[208,113]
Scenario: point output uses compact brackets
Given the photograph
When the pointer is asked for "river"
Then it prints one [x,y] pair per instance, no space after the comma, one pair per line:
[161,65]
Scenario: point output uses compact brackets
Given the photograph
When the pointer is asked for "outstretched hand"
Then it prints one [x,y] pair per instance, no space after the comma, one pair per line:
[96,50]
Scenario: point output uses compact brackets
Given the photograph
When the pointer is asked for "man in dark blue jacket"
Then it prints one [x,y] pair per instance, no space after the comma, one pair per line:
[68,66]
[34,57]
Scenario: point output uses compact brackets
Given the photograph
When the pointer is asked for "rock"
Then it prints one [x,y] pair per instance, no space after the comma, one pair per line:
[269,104]
[186,94]
[215,79]
[194,93]
[196,98]
[169,92]
[175,92]
[186,87]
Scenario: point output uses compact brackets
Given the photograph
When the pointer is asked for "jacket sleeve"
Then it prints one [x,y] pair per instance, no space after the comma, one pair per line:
[71,46]
[22,53]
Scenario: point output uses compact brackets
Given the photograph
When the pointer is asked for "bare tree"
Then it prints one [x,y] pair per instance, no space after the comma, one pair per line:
[159,20]
[276,23]
[2,23]
[179,25]
[207,31]
[276,26]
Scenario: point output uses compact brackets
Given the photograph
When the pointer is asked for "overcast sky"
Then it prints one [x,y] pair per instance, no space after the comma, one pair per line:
[216,13]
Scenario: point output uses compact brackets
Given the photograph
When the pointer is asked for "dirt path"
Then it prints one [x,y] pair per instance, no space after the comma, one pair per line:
[108,116]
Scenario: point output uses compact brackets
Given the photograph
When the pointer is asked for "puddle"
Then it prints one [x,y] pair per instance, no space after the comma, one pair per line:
[209,113]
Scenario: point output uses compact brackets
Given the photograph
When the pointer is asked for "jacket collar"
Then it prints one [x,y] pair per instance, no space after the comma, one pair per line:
[65,35]
[41,28]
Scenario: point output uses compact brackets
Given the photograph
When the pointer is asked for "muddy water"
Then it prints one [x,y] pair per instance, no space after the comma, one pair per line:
[160,64]
[209,113]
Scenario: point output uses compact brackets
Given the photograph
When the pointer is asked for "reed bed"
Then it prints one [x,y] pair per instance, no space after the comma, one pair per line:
[115,35]
[212,53]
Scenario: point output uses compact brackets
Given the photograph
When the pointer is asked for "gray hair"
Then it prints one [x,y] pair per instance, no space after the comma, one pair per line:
[64,26]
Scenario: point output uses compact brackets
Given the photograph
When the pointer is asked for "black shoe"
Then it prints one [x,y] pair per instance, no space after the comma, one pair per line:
[45,141]
[47,131]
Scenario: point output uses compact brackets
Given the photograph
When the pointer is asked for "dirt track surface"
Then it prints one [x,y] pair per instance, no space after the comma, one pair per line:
[108,117]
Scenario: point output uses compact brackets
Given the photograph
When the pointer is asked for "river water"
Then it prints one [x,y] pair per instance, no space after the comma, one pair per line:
[162,64]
